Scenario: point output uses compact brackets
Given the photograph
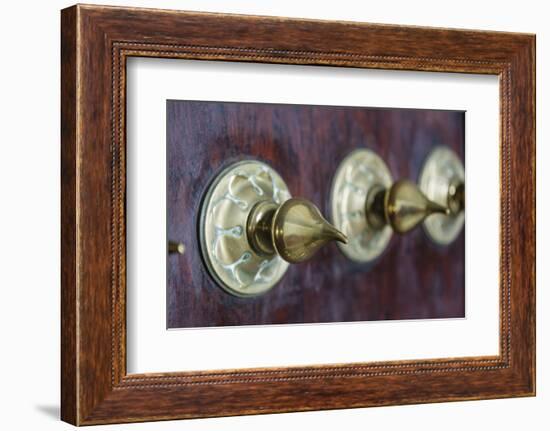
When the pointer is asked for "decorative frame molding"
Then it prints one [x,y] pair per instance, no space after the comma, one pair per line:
[96,42]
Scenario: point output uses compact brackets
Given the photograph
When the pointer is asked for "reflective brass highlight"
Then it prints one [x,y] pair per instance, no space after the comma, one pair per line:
[259,227]
[251,229]
[442,181]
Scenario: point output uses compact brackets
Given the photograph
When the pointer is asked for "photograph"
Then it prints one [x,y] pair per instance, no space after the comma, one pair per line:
[339,193]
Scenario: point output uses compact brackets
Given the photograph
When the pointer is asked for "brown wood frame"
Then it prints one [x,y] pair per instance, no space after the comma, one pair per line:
[96,41]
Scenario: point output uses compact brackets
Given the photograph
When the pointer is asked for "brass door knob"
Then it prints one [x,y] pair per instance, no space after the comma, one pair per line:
[251,229]
[402,206]
[295,230]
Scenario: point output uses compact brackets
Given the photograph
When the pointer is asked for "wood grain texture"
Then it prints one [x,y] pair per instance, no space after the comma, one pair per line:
[96,42]
[305,144]
[68,217]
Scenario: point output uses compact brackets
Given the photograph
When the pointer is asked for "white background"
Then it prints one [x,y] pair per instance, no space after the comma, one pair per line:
[29,224]
[151,348]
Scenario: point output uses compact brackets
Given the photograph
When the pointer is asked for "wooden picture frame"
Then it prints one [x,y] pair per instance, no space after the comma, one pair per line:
[96,41]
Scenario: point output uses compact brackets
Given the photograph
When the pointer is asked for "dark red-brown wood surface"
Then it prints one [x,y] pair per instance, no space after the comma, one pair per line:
[414,278]
[95,42]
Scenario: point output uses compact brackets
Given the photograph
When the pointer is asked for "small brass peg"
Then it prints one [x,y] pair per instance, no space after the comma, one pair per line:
[176,247]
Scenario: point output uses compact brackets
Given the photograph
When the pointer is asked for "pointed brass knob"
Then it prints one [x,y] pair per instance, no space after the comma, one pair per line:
[402,206]
[295,230]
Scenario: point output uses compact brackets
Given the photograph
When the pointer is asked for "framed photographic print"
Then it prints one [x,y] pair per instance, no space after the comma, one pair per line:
[266,215]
